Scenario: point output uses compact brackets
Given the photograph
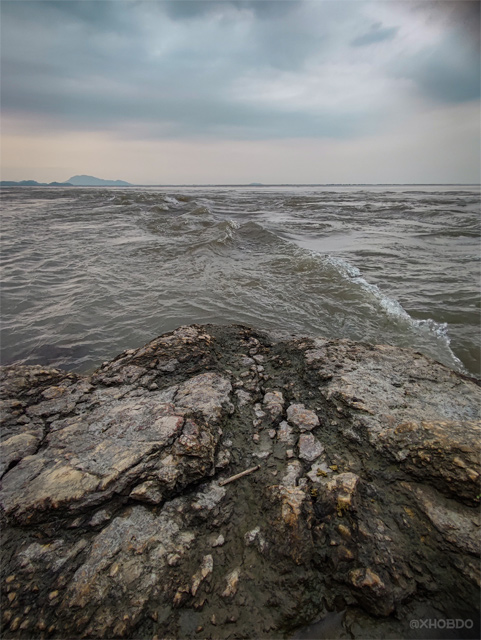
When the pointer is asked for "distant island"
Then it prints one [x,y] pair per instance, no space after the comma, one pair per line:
[74,181]
[33,183]
[91,181]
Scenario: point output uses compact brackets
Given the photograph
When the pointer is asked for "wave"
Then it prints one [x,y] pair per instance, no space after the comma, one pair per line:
[394,309]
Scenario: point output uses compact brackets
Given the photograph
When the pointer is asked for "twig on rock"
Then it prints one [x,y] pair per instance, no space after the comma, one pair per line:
[239,475]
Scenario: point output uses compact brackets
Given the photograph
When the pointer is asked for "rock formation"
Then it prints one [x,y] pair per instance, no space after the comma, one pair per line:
[116,521]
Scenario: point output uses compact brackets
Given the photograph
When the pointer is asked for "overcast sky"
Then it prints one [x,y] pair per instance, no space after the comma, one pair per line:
[235,91]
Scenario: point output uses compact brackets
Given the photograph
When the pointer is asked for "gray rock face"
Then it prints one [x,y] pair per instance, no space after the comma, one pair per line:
[116,521]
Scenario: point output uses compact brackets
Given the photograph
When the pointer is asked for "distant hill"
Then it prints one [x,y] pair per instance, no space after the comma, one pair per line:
[33,183]
[91,181]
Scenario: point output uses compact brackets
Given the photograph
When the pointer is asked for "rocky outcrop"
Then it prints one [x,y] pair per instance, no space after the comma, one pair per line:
[362,509]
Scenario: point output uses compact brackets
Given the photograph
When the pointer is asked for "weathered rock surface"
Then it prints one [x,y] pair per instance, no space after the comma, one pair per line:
[116,522]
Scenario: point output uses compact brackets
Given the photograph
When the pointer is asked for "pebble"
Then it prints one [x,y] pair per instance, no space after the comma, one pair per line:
[219,541]
[303,418]
[309,447]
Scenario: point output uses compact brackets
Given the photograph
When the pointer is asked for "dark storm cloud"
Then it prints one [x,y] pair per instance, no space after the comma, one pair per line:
[193,67]
[446,73]
[463,16]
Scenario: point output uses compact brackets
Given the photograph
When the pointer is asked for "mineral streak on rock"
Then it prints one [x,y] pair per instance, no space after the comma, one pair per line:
[115,522]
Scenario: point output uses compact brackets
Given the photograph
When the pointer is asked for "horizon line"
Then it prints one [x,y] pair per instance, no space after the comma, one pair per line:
[257,184]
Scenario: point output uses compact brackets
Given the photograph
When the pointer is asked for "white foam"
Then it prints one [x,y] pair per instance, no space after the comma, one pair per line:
[393,308]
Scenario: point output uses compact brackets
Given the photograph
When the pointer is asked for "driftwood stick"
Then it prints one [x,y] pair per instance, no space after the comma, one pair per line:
[239,475]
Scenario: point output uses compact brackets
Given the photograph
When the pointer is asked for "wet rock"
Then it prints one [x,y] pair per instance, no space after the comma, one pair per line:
[274,403]
[243,397]
[232,580]
[207,393]
[309,447]
[373,590]
[219,541]
[205,570]
[111,499]
[318,471]
[456,523]
[16,448]
[301,417]
[445,453]
[285,433]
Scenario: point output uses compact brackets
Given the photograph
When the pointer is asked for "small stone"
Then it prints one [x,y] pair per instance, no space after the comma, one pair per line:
[344,531]
[309,447]
[153,386]
[213,619]
[250,536]
[258,412]
[286,433]
[180,596]
[243,397]
[173,559]
[343,487]
[232,582]
[256,437]
[223,459]
[219,541]
[15,623]
[290,453]
[303,418]
[272,433]
[10,579]
[11,596]
[199,629]
[343,553]
[274,403]
[318,471]
[52,595]
[262,454]
[366,578]
[205,569]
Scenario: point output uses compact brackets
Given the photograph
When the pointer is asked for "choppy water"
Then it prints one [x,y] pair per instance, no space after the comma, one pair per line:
[90,272]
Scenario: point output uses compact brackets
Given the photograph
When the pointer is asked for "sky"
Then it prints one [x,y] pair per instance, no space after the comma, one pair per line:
[241,91]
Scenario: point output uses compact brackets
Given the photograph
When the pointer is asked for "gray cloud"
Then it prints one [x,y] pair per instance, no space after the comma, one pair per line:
[374,35]
[191,9]
[447,72]
[173,69]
